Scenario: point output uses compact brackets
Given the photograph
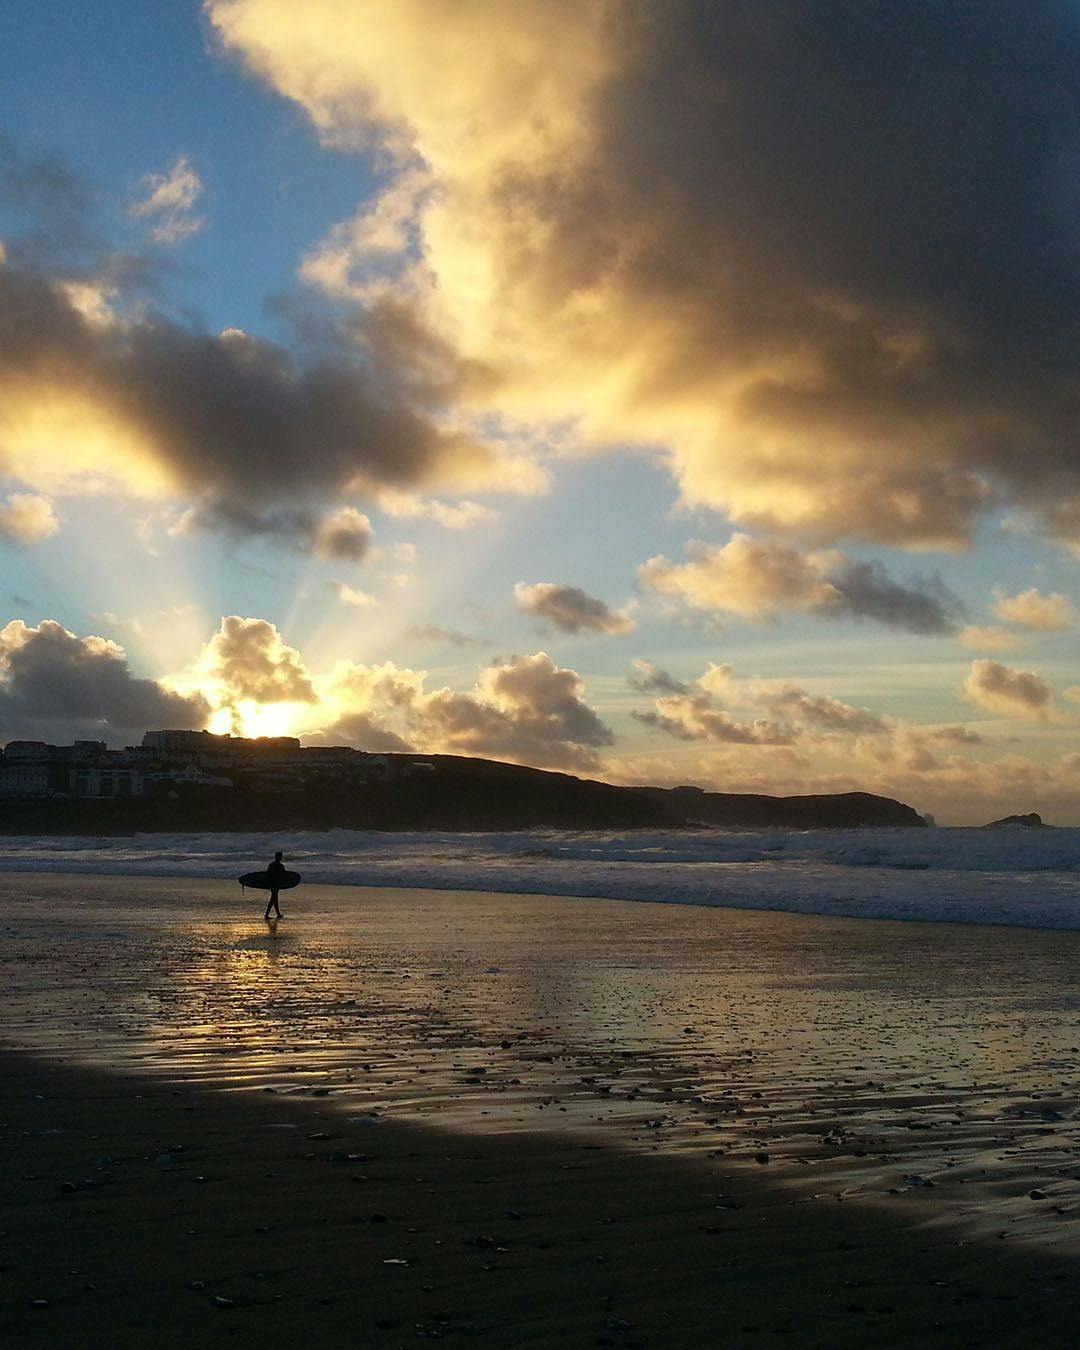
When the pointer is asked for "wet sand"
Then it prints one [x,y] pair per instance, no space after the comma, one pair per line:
[717,1127]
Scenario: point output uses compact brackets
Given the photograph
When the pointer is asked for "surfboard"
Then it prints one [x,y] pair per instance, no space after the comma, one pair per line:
[263,881]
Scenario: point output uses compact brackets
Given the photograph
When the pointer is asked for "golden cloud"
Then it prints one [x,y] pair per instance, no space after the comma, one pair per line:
[1013,693]
[763,579]
[649,222]
[27,519]
[1032,609]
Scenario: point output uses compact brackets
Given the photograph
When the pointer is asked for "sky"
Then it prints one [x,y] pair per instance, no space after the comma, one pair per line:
[666,391]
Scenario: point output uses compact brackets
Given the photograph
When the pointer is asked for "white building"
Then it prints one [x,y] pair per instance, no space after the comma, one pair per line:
[117,781]
[24,780]
[33,750]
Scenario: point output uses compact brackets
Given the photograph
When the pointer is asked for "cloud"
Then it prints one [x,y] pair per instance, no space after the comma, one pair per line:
[56,203]
[648,678]
[822,713]
[863,590]
[345,534]
[246,664]
[443,637]
[694,713]
[692,717]
[793,717]
[361,255]
[349,595]
[990,639]
[461,515]
[51,680]
[27,519]
[956,735]
[1013,693]
[569,609]
[168,202]
[762,579]
[1035,610]
[747,577]
[918,765]
[845,315]
[526,709]
[102,389]
[119,623]
[364,731]
[371,705]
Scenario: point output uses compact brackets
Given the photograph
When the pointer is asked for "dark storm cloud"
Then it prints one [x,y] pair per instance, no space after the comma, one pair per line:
[55,205]
[864,590]
[49,676]
[235,424]
[344,534]
[570,609]
[234,419]
[891,189]
[825,255]
[648,678]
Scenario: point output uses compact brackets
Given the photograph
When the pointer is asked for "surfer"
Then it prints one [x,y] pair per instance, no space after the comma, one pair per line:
[275,873]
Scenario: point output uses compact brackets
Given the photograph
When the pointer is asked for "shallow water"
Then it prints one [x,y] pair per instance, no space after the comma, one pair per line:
[865,1059]
[1025,878]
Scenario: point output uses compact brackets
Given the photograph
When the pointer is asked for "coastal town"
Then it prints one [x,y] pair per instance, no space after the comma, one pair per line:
[166,760]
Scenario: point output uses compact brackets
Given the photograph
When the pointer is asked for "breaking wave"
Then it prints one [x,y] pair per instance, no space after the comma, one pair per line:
[1025,878]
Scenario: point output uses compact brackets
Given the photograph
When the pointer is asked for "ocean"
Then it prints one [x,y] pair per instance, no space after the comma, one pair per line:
[1019,878]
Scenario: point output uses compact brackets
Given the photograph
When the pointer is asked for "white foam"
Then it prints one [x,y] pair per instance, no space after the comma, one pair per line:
[1027,878]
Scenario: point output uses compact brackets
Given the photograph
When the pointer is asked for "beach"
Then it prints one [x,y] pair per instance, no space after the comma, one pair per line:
[534,1120]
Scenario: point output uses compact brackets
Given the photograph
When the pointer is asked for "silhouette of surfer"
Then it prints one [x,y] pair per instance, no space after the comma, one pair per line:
[276,871]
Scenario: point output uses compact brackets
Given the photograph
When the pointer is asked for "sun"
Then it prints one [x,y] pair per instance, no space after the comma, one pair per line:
[250,718]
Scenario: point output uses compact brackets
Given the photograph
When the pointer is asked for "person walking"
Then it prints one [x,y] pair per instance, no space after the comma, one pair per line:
[275,871]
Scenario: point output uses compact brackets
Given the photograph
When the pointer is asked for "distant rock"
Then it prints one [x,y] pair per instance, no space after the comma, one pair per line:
[1032,821]
[755,811]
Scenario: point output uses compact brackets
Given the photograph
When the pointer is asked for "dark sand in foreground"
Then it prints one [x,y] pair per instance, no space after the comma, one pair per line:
[528,1122]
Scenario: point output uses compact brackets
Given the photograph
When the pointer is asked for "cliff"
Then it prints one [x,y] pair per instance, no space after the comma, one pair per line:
[442,792]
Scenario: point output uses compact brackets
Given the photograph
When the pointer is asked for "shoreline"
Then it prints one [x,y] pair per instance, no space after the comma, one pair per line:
[157,1213]
[824,1103]
[469,887]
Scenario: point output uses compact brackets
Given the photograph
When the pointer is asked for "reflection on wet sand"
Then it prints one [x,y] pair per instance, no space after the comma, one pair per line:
[929,1066]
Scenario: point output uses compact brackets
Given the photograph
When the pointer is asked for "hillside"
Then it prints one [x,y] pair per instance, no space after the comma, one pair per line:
[443,792]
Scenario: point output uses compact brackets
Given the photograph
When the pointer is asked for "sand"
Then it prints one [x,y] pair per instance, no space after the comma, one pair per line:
[574,1122]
